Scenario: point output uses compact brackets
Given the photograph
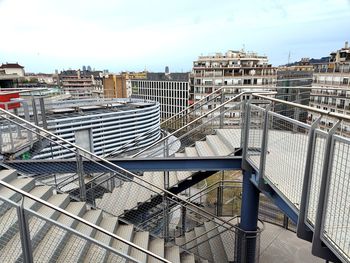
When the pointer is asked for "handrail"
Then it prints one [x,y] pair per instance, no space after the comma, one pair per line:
[110,164]
[145,133]
[81,220]
[190,123]
[208,188]
[322,112]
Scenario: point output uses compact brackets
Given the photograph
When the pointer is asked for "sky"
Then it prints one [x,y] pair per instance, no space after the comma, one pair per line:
[134,35]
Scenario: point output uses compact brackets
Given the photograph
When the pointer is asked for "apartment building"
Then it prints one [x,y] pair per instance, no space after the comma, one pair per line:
[119,86]
[81,84]
[13,68]
[294,85]
[331,87]
[236,71]
[171,90]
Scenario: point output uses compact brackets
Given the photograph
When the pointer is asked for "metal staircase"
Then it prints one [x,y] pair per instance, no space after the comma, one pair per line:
[51,233]
[302,168]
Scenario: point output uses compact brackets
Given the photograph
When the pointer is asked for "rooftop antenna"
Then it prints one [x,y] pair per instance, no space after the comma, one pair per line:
[288,58]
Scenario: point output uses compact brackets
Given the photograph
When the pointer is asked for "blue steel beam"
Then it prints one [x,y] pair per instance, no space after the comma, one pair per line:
[136,164]
[278,200]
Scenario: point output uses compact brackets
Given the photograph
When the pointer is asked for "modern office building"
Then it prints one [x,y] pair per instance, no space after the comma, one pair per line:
[100,125]
[331,87]
[171,90]
[81,84]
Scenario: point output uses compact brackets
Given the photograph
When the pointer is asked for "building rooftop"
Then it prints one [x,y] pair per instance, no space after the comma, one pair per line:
[11,65]
[161,76]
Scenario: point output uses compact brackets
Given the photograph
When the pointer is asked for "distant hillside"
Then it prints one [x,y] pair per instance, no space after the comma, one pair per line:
[312,61]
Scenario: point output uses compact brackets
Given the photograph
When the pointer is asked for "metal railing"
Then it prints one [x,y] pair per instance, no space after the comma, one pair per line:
[307,167]
[41,236]
[133,183]
[175,121]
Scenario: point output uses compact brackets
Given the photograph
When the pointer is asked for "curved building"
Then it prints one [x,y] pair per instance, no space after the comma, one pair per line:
[99,125]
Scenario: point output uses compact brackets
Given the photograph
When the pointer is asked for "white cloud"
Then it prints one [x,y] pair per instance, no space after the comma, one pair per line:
[117,34]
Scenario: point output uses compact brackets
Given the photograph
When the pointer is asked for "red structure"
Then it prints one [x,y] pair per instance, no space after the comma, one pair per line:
[6,97]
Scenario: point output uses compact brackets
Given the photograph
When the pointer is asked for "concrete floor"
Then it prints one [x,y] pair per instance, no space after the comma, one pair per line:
[283,246]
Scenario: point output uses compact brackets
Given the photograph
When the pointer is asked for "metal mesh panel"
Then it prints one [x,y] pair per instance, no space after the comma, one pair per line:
[247,246]
[286,155]
[316,176]
[9,228]
[336,229]
[228,118]
[255,135]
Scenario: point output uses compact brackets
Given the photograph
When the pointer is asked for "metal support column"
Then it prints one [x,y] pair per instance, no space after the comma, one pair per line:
[318,248]
[246,246]
[24,234]
[80,172]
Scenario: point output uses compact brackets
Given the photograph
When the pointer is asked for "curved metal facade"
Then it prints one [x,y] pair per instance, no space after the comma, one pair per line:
[104,126]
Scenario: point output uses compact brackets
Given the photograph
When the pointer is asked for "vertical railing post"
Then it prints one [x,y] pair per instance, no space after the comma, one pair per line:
[80,172]
[183,220]
[302,230]
[318,249]
[222,110]
[166,209]
[10,131]
[24,232]
[264,142]
[43,112]
[27,118]
[245,145]
[36,120]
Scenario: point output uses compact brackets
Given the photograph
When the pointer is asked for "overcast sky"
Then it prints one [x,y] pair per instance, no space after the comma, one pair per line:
[44,35]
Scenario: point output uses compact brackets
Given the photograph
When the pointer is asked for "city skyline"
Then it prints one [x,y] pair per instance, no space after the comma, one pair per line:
[121,35]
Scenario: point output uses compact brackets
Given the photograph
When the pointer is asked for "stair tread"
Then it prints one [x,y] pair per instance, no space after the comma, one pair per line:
[124,231]
[180,155]
[172,254]
[217,145]
[157,247]
[20,183]
[172,178]
[215,242]
[74,247]
[192,246]
[191,152]
[183,175]
[36,226]
[231,137]
[203,246]
[96,253]
[187,258]
[228,238]
[180,241]
[10,218]
[204,149]
[141,239]
[55,235]
[7,175]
